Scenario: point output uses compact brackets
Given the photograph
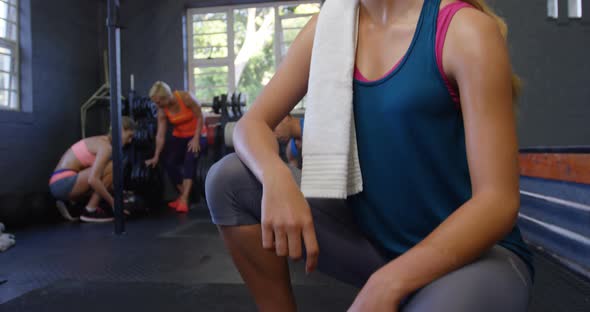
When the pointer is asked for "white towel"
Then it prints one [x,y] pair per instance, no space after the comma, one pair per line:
[331,166]
[6,241]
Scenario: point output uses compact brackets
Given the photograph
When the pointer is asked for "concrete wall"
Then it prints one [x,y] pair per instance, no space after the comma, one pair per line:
[551,57]
[60,70]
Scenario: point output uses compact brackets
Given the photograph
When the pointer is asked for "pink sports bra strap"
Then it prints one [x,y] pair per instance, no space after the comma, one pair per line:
[445,16]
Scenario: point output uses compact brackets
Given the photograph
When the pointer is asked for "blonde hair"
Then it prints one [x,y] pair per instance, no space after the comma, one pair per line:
[160,89]
[485,8]
[126,124]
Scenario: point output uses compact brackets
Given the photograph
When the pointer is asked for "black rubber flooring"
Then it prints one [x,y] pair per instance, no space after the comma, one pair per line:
[146,296]
[168,262]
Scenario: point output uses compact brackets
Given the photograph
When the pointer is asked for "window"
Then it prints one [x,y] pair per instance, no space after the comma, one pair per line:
[236,49]
[9,53]
[210,81]
[293,18]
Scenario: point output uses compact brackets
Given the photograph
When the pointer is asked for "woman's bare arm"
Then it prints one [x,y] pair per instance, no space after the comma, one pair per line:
[286,217]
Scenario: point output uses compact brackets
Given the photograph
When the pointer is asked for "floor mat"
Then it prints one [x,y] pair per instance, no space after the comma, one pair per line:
[557,289]
[65,296]
[86,266]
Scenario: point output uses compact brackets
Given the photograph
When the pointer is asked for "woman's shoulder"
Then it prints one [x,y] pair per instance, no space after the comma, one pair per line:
[473,35]
[470,23]
[183,94]
[98,143]
[187,97]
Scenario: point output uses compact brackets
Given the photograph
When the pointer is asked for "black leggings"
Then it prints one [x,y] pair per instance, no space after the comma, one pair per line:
[179,162]
[498,281]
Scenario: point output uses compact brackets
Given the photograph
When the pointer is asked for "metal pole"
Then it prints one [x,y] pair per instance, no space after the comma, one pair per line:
[115,90]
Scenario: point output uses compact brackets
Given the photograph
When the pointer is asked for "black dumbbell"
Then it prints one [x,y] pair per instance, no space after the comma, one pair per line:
[138,137]
[157,181]
[239,105]
[147,175]
[153,128]
[144,175]
[135,176]
[223,106]
[153,109]
[129,202]
[141,177]
[151,176]
[144,138]
[138,106]
[234,106]
[145,179]
[216,105]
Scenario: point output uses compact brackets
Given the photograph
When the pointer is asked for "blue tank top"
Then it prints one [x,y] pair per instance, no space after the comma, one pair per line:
[294,149]
[411,145]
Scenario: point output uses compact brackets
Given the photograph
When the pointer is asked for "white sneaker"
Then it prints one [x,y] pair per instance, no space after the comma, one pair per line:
[63,210]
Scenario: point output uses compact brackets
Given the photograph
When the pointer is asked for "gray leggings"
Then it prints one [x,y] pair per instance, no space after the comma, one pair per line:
[498,281]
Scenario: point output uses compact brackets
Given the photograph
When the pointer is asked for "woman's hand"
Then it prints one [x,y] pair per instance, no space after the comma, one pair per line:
[286,218]
[378,294]
[152,162]
[194,145]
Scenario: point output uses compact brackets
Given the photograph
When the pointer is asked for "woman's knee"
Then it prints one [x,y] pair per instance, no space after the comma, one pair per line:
[107,180]
[222,176]
[229,188]
[107,175]
[168,163]
[468,288]
[108,169]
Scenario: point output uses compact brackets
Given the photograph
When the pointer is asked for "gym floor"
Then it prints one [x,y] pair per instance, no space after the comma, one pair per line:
[178,263]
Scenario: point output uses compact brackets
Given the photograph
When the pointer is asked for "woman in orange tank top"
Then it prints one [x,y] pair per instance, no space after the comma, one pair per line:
[181,149]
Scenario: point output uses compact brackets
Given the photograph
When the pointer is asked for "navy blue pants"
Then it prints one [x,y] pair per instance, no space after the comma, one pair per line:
[178,161]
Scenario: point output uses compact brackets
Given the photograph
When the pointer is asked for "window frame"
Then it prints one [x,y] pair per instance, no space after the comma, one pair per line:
[229,61]
[14,47]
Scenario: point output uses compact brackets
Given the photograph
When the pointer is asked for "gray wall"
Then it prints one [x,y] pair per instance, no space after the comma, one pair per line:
[60,69]
[552,59]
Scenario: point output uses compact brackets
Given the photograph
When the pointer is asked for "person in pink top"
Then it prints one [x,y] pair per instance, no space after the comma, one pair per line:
[86,169]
